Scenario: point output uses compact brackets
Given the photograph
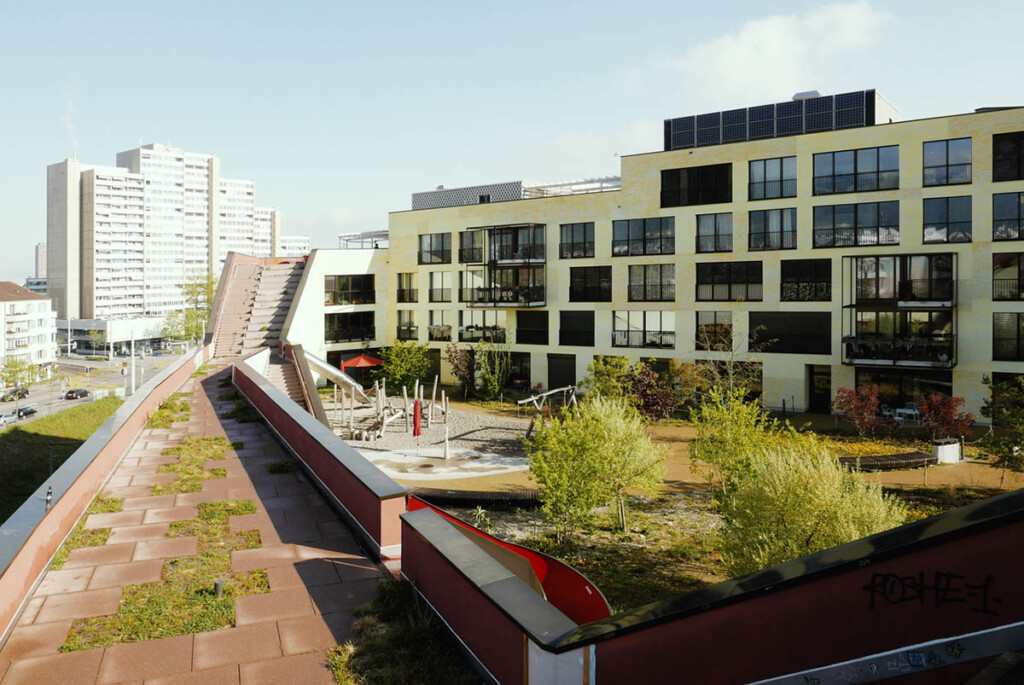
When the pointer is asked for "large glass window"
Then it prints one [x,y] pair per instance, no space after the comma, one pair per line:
[644,236]
[576,328]
[348,327]
[355,289]
[947,219]
[435,248]
[947,162]
[714,331]
[714,232]
[868,223]
[476,325]
[772,229]
[471,246]
[407,288]
[1008,336]
[440,286]
[791,332]
[857,171]
[701,185]
[771,178]
[729,282]
[577,241]
[1008,156]
[517,243]
[440,325]
[652,283]
[532,328]
[1007,216]
[806,280]
[644,329]
[407,329]
[590,284]
[1008,276]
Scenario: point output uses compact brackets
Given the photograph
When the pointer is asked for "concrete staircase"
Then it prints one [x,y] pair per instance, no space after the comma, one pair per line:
[239,298]
[285,377]
[273,299]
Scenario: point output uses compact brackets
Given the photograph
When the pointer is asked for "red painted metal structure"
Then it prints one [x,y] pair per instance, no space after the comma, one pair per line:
[565,588]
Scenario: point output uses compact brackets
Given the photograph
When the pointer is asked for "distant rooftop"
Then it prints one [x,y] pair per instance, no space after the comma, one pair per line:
[511,190]
[12,292]
[364,240]
[807,112]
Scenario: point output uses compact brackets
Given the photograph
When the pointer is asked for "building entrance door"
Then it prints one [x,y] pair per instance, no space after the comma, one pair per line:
[819,395]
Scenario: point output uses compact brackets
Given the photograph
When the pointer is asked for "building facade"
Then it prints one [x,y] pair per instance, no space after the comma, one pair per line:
[865,252]
[293,246]
[29,326]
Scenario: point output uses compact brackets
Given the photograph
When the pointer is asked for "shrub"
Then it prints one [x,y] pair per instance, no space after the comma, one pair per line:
[860,407]
[942,417]
[405,362]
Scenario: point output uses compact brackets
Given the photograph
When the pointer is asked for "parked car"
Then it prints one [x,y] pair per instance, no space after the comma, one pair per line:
[76,393]
[14,394]
[26,411]
[8,418]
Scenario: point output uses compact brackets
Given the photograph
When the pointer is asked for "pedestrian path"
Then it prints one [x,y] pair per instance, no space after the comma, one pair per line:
[317,573]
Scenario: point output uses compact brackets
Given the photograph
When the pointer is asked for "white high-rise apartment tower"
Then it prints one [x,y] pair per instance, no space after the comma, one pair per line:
[121,240]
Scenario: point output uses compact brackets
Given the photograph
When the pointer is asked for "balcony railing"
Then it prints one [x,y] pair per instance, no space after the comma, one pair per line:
[348,297]
[408,295]
[575,250]
[652,292]
[643,246]
[848,236]
[523,296]
[857,183]
[927,290]
[471,254]
[807,291]
[439,333]
[772,240]
[492,334]
[729,292]
[440,295]
[408,332]
[350,335]
[435,257]
[935,351]
[1007,289]
[517,253]
[659,339]
[714,243]
[765,190]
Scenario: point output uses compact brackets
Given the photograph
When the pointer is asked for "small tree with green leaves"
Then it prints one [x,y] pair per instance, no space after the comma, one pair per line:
[18,373]
[197,292]
[607,376]
[405,362]
[1005,407]
[493,365]
[96,339]
[463,365]
[798,499]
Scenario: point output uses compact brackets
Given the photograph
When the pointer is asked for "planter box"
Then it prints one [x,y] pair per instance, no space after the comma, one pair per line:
[947,451]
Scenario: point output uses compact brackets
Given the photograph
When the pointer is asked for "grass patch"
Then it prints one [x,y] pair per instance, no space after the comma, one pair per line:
[80,537]
[184,600]
[924,502]
[26,451]
[193,453]
[203,369]
[241,412]
[174,408]
[395,639]
[286,466]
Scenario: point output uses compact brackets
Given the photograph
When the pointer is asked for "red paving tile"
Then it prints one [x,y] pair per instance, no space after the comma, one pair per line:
[355,569]
[225,675]
[79,605]
[272,606]
[65,580]
[41,639]
[236,645]
[97,556]
[151,659]
[170,515]
[149,502]
[264,557]
[58,669]
[31,610]
[192,498]
[152,478]
[132,491]
[121,518]
[148,531]
[315,572]
[330,599]
[169,548]
[309,669]
[305,634]
[119,575]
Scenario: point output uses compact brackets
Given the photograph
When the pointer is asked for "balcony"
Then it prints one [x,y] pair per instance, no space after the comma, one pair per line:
[575,250]
[492,334]
[408,333]
[407,295]
[439,333]
[435,257]
[440,294]
[349,297]
[656,339]
[652,292]
[529,252]
[471,255]
[936,292]
[522,296]
[350,335]
[934,352]
[643,246]
[714,243]
[766,190]
[772,240]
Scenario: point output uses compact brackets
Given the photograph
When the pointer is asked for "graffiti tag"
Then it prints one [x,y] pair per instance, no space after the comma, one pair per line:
[939,589]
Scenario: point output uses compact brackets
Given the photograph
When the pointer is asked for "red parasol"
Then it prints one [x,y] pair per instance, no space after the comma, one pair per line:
[361,362]
[417,417]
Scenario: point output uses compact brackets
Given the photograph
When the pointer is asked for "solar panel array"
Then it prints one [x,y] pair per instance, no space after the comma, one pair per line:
[825,113]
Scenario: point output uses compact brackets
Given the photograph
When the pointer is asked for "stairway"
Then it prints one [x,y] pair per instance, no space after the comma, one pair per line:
[257,299]
[239,297]
[285,377]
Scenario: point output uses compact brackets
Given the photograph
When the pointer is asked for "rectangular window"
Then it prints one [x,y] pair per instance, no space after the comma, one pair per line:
[348,327]
[1008,156]
[440,286]
[471,246]
[355,289]
[867,223]
[772,229]
[702,185]
[714,232]
[729,282]
[476,325]
[440,325]
[947,162]
[644,329]
[908,278]
[771,178]
[590,284]
[435,248]
[519,371]
[857,171]
[806,280]
[407,288]
[407,329]
[517,243]
[644,236]
[714,331]
[1007,276]
[532,328]
[652,283]
[791,332]
[576,328]
[947,219]
[577,241]
[1008,337]
[1007,216]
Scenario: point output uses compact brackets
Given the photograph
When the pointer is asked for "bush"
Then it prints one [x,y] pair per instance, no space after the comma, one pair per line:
[405,362]
[942,417]
[860,407]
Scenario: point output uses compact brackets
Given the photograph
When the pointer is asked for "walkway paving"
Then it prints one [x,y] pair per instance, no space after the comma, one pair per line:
[317,573]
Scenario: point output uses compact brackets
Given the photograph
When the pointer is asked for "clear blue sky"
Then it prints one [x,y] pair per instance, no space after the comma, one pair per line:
[340,110]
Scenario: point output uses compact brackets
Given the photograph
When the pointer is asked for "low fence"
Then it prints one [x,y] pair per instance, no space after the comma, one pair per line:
[33,533]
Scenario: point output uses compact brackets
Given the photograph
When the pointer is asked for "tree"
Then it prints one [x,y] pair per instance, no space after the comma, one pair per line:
[589,457]
[96,339]
[859,407]
[606,376]
[405,362]
[463,366]
[18,373]
[493,365]
[1005,406]
[197,293]
[730,368]
[798,499]
[942,417]
[174,326]
[651,396]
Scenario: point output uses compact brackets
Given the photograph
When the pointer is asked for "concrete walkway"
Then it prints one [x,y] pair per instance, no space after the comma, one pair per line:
[317,573]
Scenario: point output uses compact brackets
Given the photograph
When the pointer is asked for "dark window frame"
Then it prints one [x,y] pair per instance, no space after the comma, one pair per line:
[715,336]
[720,238]
[663,290]
[590,284]
[1008,289]
[435,248]
[860,180]
[532,334]
[573,248]
[639,237]
[1003,225]
[575,328]
[854,236]
[764,240]
[951,231]
[661,338]
[360,326]
[1008,156]
[709,184]
[349,289]
[1017,353]
[942,173]
[723,281]
[796,287]
[770,190]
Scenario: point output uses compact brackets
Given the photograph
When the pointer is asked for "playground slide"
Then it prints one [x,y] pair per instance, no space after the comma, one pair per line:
[318,365]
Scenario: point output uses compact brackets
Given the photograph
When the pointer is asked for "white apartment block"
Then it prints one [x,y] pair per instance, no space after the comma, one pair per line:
[40,260]
[293,246]
[29,326]
[121,240]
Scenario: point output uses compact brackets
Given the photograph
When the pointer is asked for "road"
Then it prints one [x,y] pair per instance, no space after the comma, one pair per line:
[48,397]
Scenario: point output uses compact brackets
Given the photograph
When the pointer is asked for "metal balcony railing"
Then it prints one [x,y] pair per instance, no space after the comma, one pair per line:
[515,253]
[440,295]
[772,240]
[522,296]
[408,295]
[658,339]
[435,256]
[935,351]
[439,333]
[471,254]
[408,332]
[714,243]
[575,250]
[766,190]
[652,292]
[643,246]
[1007,289]
[492,334]
[350,335]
